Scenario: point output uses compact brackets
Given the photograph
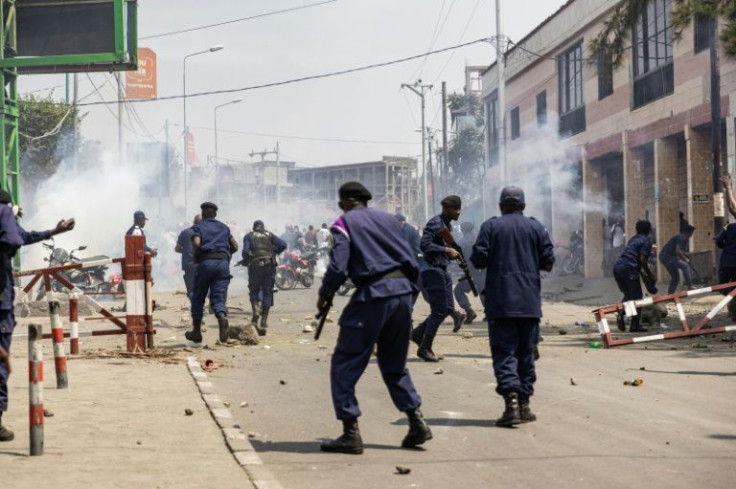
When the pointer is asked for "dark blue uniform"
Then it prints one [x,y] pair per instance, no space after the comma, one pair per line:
[513,248]
[370,250]
[10,240]
[262,268]
[436,280]
[188,265]
[626,272]
[213,268]
[726,241]
[673,263]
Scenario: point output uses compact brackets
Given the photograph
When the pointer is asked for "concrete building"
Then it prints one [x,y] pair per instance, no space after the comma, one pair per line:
[590,142]
[392,181]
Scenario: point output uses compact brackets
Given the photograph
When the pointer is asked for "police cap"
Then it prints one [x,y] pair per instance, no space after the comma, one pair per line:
[512,196]
[354,191]
[210,205]
[5,197]
[258,224]
[451,201]
[400,217]
[139,215]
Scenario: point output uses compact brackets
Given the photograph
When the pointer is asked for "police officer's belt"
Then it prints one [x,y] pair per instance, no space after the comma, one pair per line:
[261,262]
[213,256]
[395,273]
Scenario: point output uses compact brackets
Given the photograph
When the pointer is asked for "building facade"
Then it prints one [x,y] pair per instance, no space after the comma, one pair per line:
[592,143]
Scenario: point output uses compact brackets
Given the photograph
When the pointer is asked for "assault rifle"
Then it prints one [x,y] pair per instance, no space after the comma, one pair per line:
[322,316]
[446,235]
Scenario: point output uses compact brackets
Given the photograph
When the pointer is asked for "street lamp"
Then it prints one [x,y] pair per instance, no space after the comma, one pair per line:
[214,48]
[217,156]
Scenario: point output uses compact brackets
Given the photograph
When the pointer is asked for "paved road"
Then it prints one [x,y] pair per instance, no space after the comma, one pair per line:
[677,430]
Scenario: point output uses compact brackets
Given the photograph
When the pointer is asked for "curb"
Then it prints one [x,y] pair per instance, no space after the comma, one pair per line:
[236,440]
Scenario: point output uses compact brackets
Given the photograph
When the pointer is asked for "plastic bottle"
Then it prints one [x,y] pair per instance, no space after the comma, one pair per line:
[595,344]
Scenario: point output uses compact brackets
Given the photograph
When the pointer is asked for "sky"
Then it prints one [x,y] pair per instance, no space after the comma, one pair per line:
[367,112]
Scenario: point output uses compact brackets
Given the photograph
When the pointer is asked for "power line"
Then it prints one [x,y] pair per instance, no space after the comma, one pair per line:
[233,21]
[295,80]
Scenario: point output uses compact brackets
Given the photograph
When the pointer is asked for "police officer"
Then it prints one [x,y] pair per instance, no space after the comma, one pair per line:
[674,256]
[212,247]
[436,280]
[12,237]
[184,246]
[462,287]
[633,262]
[726,241]
[139,222]
[513,248]
[370,250]
[260,248]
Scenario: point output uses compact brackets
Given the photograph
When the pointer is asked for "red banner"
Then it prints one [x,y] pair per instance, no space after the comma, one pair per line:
[191,155]
[143,83]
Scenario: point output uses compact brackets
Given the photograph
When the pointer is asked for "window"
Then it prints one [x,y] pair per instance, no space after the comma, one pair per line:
[542,108]
[515,126]
[703,29]
[570,77]
[492,130]
[605,75]
[652,50]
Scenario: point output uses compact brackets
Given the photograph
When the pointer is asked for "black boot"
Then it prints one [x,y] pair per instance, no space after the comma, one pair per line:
[256,306]
[457,318]
[470,315]
[525,412]
[5,434]
[224,326]
[418,333]
[264,323]
[419,432]
[349,442]
[511,415]
[425,350]
[620,323]
[195,335]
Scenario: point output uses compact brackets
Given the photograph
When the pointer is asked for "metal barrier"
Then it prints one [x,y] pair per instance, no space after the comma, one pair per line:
[136,324]
[35,387]
[699,329]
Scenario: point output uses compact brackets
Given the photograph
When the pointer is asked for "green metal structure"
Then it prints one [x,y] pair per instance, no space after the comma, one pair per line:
[9,165]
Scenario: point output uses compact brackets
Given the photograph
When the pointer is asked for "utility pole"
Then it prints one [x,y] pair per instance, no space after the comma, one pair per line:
[74,121]
[422,90]
[263,154]
[430,170]
[445,150]
[121,147]
[501,94]
[720,220]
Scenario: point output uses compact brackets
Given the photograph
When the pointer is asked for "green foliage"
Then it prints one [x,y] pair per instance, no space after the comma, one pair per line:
[615,36]
[45,136]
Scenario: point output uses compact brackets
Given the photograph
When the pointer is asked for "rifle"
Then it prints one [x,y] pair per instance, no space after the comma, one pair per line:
[322,316]
[446,235]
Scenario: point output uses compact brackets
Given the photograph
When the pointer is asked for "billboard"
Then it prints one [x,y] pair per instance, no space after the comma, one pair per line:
[143,82]
[59,36]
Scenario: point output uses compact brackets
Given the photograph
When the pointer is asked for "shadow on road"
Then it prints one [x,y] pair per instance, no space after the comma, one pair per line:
[723,437]
[478,423]
[306,447]
[689,372]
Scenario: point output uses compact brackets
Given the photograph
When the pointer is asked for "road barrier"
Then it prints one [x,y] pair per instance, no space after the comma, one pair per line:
[35,387]
[136,324]
[57,336]
[700,328]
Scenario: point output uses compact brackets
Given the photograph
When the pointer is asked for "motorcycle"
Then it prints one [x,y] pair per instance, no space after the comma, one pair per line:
[574,261]
[90,279]
[296,268]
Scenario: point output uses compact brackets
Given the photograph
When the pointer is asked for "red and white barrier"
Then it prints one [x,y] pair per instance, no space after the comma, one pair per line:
[135,294]
[35,387]
[73,324]
[57,336]
[701,327]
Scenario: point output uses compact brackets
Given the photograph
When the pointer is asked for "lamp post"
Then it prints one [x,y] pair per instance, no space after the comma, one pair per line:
[217,47]
[217,156]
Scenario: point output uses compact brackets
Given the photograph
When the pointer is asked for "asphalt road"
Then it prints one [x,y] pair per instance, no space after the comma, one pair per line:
[677,430]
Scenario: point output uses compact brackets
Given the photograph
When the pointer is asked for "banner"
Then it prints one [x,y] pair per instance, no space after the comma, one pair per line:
[191,154]
[143,83]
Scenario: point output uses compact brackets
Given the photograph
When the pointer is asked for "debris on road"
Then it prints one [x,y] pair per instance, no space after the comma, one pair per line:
[401,470]
[48,413]
[188,412]
[562,331]
[572,381]
[439,371]
[282,382]
[634,382]
[226,404]
[209,365]
[642,368]
[467,335]
[244,404]
[307,328]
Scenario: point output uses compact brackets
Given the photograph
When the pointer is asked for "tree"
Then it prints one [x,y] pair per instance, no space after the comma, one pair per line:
[612,40]
[465,154]
[46,130]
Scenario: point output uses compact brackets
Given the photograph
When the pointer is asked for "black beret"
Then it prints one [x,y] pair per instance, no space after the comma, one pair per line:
[205,205]
[451,201]
[354,191]
[258,224]
[511,195]
[5,197]
[400,217]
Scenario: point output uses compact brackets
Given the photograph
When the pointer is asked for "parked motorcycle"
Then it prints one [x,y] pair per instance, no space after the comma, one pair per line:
[574,261]
[92,279]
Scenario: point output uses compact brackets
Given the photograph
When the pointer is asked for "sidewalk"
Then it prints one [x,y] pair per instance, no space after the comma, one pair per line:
[121,423]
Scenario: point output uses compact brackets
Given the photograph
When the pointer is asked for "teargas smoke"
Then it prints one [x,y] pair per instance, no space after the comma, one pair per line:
[103,196]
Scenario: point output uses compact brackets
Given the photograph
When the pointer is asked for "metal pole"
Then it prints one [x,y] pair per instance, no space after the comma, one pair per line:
[720,219]
[186,139]
[445,152]
[424,164]
[35,387]
[120,120]
[501,94]
[217,161]
[74,121]
[278,183]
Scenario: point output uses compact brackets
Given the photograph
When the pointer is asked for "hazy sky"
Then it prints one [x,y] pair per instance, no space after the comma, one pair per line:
[364,106]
